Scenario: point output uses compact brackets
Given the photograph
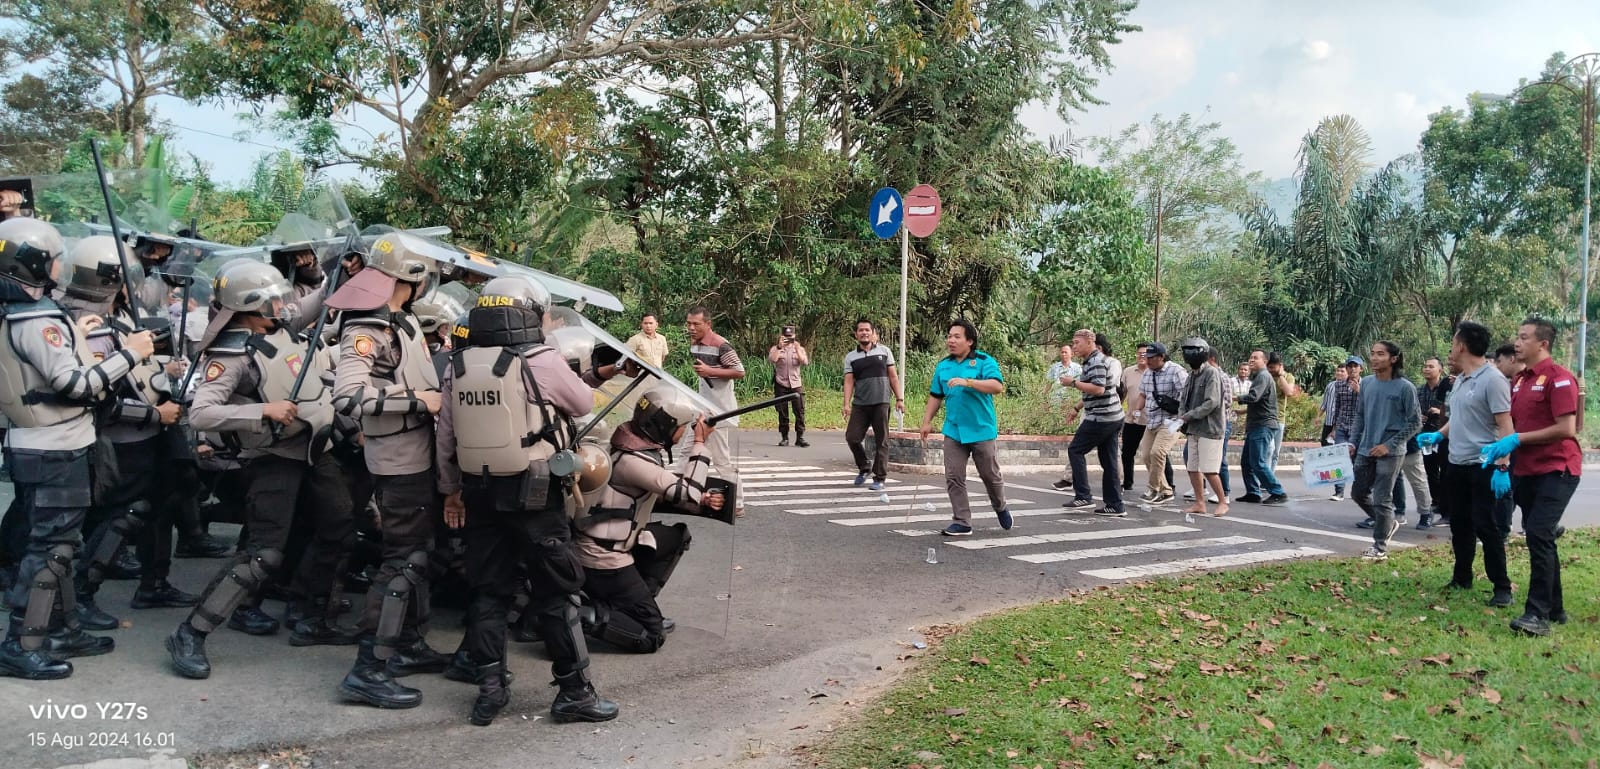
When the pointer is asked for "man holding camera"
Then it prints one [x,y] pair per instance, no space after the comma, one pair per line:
[786,357]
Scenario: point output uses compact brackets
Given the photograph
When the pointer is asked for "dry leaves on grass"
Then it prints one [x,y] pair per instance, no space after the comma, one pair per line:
[1446,761]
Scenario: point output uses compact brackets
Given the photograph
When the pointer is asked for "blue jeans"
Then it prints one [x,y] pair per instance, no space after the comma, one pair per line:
[1227,435]
[1258,474]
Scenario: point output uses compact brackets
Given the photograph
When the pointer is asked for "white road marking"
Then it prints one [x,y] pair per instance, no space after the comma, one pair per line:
[1201,564]
[893,519]
[1319,532]
[1073,536]
[927,493]
[1149,547]
[795,472]
[882,508]
[915,532]
[899,502]
[841,483]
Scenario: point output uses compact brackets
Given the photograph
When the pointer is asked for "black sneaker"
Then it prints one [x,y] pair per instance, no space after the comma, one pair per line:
[1078,504]
[1106,512]
[202,546]
[1255,498]
[1559,618]
[1005,518]
[252,621]
[1501,599]
[1276,499]
[1454,585]
[956,530]
[783,442]
[1367,524]
[1528,624]
[1062,485]
[163,596]
[799,443]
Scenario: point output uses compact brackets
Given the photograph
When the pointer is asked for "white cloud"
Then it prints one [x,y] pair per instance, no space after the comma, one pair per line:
[1317,50]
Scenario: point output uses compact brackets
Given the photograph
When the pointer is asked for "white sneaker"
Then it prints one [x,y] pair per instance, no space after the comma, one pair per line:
[1211,496]
[1374,554]
[1336,498]
[1189,495]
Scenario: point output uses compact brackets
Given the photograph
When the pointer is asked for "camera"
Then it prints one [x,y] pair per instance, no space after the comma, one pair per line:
[788,333]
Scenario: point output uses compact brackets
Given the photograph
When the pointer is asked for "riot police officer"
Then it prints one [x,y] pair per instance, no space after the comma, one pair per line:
[48,383]
[385,377]
[134,421]
[509,401]
[627,558]
[253,355]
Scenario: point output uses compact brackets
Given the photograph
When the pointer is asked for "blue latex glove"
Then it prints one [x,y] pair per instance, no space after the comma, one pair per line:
[1501,448]
[1500,484]
[1429,439]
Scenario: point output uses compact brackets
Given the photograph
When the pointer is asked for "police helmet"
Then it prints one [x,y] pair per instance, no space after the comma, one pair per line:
[660,412]
[594,466]
[391,256]
[576,346]
[247,287]
[28,248]
[94,269]
[526,294]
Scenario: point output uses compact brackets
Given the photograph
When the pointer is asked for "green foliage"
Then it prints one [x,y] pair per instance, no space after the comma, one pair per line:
[1327,660]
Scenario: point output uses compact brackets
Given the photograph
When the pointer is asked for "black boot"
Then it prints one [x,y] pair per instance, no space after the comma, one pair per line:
[461,668]
[65,642]
[368,682]
[416,658]
[162,595]
[124,565]
[253,621]
[800,439]
[318,631]
[296,612]
[92,617]
[578,701]
[188,649]
[36,665]
[201,545]
[493,693]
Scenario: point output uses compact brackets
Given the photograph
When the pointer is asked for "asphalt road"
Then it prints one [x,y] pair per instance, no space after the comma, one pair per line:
[786,622]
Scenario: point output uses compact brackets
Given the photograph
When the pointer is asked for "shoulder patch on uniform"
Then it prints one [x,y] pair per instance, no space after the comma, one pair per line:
[1564,383]
[52,335]
[1540,380]
[363,345]
[99,356]
[213,370]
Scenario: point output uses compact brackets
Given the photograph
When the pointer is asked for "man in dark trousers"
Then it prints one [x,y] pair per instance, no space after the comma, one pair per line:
[1480,414]
[870,382]
[1547,464]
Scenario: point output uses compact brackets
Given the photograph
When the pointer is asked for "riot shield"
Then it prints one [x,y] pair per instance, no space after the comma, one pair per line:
[581,294]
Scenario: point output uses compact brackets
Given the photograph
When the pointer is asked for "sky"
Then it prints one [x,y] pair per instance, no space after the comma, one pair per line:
[1269,71]
[1266,71]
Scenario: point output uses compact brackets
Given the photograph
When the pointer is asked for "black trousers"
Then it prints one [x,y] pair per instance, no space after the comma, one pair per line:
[407,507]
[1467,493]
[783,411]
[876,417]
[504,542]
[625,593]
[280,490]
[1100,437]
[1435,465]
[1543,499]
[54,491]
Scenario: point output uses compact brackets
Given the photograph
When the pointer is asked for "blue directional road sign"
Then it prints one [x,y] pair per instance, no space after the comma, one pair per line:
[886,213]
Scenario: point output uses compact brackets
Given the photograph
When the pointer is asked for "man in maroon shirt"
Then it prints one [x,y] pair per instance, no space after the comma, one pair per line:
[1545,401]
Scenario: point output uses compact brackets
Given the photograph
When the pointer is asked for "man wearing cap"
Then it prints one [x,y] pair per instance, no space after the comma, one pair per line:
[1346,409]
[1547,466]
[1159,394]
[386,379]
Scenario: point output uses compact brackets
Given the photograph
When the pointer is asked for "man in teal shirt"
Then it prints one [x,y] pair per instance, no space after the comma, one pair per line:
[965,384]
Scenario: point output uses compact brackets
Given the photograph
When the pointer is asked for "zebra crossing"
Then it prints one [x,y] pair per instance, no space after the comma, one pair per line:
[1109,549]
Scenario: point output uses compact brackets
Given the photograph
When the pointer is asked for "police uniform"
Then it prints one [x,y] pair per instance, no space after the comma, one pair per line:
[627,557]
[285,467]
[48,384]
[508,404]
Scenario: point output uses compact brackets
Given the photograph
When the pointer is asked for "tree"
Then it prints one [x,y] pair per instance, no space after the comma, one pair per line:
[130,46]
[1502,187]
[1349,249]
[1187,178]
[44,114]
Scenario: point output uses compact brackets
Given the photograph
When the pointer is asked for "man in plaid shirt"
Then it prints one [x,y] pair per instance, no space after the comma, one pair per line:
[1346,409]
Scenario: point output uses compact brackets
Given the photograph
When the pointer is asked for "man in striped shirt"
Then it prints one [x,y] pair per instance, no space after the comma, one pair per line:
[1158,399]
[1099,431]
[717,366]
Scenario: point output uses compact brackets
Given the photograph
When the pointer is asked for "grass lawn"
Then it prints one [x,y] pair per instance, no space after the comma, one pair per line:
[1330,663]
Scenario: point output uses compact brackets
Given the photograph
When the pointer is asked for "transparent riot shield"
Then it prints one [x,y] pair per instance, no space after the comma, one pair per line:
[696,597]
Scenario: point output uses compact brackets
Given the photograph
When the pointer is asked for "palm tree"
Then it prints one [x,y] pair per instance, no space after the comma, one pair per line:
[1352,238]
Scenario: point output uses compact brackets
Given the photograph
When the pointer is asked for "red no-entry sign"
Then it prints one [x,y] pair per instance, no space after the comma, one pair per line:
[923,210]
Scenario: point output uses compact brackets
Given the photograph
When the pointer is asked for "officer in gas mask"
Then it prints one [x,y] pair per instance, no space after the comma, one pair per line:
[49,383]
[627,558]
[253,355]
[509,400]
